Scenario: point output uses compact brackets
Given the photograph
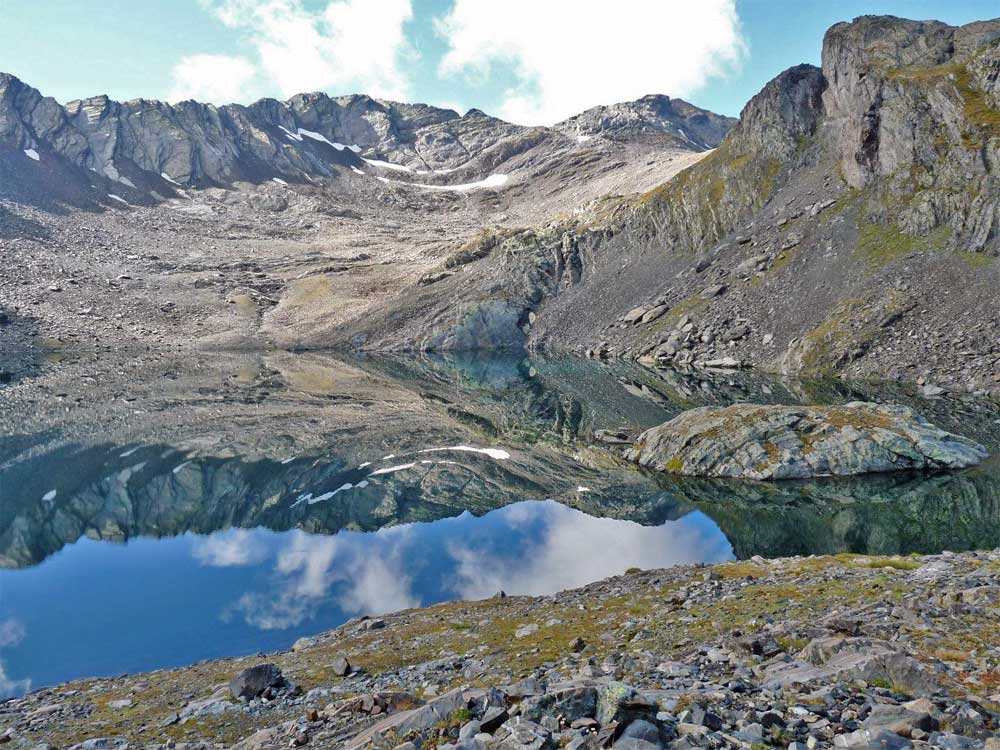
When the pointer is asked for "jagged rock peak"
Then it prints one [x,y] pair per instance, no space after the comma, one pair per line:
[652,114]
[785,111]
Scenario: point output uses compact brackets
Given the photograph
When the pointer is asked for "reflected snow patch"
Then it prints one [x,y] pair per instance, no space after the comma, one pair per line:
[496,453]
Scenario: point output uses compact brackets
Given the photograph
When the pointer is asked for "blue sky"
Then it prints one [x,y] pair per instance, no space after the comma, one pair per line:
[527,60]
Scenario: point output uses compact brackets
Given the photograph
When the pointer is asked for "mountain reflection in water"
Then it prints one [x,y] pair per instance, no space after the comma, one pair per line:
[262,497]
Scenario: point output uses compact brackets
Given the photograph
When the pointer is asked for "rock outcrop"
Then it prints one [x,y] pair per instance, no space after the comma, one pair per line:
[748,441]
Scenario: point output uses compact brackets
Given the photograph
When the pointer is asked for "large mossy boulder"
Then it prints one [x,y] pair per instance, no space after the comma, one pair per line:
[749,441]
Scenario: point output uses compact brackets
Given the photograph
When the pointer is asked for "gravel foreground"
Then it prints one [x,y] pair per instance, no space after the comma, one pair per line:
[847,651]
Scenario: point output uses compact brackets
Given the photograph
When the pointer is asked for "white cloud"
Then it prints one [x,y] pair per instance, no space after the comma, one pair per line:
[568,56]
[211,78]
[229,549]
[361,573]
[12,632]
[564,556]
[347,46]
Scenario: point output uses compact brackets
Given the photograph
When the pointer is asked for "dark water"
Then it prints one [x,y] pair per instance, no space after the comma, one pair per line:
[154,513]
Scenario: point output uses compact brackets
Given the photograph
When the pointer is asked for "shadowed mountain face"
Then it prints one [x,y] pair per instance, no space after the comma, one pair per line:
[314,443]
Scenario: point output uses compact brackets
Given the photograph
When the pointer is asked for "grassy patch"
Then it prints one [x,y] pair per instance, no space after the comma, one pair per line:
[977,260]
[880,245]
[893,562]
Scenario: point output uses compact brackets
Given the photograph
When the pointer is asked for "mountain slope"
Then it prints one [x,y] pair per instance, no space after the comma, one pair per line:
[847,224]
[144,224]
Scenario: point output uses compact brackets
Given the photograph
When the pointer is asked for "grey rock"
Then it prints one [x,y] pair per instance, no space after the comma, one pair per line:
[654,314]
[863,739]
[340,666]
[784,442]
[899,720]
[254,681]
[617,702]
[715,290]
[572,702]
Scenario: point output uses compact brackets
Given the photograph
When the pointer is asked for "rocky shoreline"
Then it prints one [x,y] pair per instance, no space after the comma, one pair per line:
[847,651]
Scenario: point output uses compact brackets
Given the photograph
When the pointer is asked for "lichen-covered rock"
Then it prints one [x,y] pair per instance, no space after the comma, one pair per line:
[749,441]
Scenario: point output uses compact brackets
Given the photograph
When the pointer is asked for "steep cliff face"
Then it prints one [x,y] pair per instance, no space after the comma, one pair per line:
[911,113]
[708,201]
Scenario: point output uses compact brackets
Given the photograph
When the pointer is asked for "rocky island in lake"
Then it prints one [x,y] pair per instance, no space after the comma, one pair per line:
[750,441]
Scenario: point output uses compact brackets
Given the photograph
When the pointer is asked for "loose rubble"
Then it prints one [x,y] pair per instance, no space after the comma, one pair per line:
[798,653]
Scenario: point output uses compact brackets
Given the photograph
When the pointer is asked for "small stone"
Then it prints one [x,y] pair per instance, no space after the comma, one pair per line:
[715,290]
[525,630]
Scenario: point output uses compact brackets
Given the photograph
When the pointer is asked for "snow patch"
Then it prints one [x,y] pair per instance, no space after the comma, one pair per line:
[356,170]
[50,495]
[279,180]
[321,138]
[392,469]
[118,198]
[493,181]
[387,165]
[496,453]
[32,154]
[312,134]
[178,468]
[309,499]
[169,179]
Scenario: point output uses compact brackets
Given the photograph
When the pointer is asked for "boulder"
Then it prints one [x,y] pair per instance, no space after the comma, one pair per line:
[899,720]
[617,702]
[254,681]
[572,703]
[748,441]
[341,667]
[635,314]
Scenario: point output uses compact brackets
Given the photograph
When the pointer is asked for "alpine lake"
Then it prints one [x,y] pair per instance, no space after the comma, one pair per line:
[159,510]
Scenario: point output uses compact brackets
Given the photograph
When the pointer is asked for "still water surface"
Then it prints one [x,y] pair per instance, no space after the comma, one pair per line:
[154,515]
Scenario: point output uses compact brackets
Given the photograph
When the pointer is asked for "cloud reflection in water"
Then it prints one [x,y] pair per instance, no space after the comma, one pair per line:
[525,548]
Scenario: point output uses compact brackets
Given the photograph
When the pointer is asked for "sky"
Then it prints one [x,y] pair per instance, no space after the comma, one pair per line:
[528,61]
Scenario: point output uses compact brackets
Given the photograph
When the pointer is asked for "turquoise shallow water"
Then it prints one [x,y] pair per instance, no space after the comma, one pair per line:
[234,506]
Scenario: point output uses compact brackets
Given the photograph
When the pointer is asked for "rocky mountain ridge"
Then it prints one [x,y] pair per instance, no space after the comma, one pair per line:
[156,146]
